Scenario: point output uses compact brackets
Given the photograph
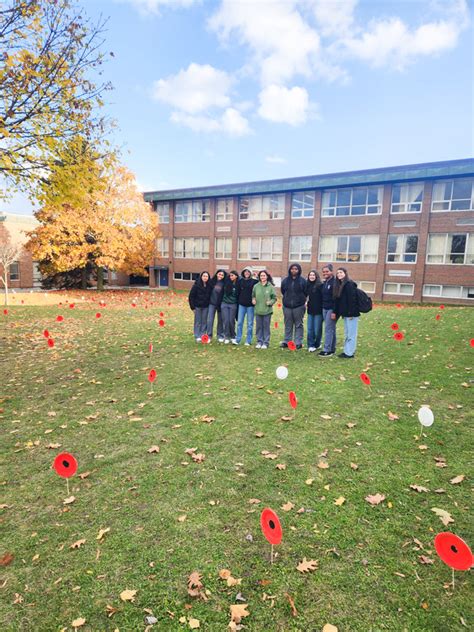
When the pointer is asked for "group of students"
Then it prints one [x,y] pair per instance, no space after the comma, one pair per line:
[236,298]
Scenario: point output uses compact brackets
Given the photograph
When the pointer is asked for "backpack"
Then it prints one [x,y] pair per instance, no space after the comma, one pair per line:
[364,302]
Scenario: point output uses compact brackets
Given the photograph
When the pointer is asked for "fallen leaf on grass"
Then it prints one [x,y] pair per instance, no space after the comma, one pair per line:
[194,624]
[195,585]
[84,475]
[294,611]
[307,565]
[425,560]
[254,501]
[375,499]
[207,419]
[323,465]
[419,488]
[340,501]
[327,417]
[287,506]
[53,446]
[6,559]
[280,466]
[227,575]
[354,466]
[238,612]
[110,610]
[77,544]
[128,595]
[182,518]
[259,435]
[309,481]
[457,479]
[69,500]
[349,424]
[392,416]
[329,628]
[444,516]
[101,533]
[78,623]
[154,448]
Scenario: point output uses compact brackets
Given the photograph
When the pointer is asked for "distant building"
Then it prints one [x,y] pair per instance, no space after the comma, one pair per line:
[24,272]
[404,233]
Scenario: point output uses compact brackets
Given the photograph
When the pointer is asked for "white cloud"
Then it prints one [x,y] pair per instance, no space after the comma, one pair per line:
[230,122]
[195,89]
[145,7]
[275,31]
[275,159]
[284,105]
[334,17]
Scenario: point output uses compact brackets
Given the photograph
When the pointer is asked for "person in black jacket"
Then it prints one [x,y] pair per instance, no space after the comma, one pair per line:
[199,298]
[294,292]
[217,294]
[346,306]
[314,306]
[246,309]
[229,306]
[329,316]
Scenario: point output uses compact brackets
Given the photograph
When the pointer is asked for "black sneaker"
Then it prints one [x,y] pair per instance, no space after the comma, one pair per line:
[343,355]
[326,353]
[283,345]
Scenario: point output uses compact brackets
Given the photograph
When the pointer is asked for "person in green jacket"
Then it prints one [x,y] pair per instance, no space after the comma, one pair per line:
[263,297]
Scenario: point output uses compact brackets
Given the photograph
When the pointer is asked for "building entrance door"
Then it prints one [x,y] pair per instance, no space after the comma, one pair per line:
[163,277]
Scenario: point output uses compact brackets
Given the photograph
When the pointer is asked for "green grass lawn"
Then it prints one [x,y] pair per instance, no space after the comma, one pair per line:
[170,515]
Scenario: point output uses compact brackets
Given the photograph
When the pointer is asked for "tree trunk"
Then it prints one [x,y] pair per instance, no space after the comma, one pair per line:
[5,285]
[84,278]
[100,278]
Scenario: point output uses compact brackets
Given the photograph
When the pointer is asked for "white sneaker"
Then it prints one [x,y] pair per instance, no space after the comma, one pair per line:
[264,347]
[198,339]
[247,344]
[258,346]
[234,341]
[221,340]
[311,349]
[226,342]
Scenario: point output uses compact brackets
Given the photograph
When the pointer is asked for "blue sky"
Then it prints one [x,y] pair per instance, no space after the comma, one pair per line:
[216,91]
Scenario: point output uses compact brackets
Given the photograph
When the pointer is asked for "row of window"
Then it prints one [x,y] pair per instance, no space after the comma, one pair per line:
[407,289]
[442,248]
[448,195]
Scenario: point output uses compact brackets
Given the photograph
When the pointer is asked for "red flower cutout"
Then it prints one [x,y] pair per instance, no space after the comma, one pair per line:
[161,314]
[453,551]
[50,342]
[152,376]
[205,339]
[65,465]
[134,304]
[276,325]
[394,326]
[291,345]
[98,315]
[279,305]
[59,318]
[292,398]
[398,335]
[71,306]
[441,306]
[365,378]
[5,311]
[438,317]
[271,526]
[399,305]
[150,347]
[46,333]
[161,323]
[472,342]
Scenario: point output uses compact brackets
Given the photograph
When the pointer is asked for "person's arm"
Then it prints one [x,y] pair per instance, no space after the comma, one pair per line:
[254,296]
[284,283]
[273,296]
[191,297]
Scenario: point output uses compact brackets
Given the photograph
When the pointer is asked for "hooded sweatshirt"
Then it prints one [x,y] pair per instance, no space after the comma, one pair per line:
[231,291]
[315,297]
[200,294]
[217,289]
[245,289]
[294,289]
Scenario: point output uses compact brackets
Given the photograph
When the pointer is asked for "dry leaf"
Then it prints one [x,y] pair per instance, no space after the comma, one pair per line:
[259,435]
[6,559]
[84,475]
[195,585]
[286,418]
[294,611]
[128,595]
[329,628]
[340,501]
[325,417]
[110,610]
[77,623]
[422,447]
[309,481]
[53,446]
[207,419]
[457,479]
[307,565]
[425,560]
[194,624]
[238,612]
[102,532]
[77,544]
[154,448]
[182,518]
[323,465]
[392,416]
[419,488]
[375,499]
[69,500]
[224,573]
[254,501]
[444,516]
[287,506]
[198,458]
[350,425]
[280,466]
[354,466]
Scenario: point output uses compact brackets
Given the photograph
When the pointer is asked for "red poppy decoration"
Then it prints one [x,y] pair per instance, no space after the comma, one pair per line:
[472,342]
[71,306]
[150,347]
[59,318]
[134,304]
[293,399]
[365,378]
[65,465]
[271,526]
[205,339]
[46,333]
[98,315]
[152,376]
[453,551]
[441,306]
[161,314]
[50,342]
[394,326]
[398,335]
[161,323]
[291,345]
[5,311]
[276,325]
[399,305]
[438,317]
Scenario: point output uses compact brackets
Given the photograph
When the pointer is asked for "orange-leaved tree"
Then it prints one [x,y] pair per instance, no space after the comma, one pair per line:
[92,215]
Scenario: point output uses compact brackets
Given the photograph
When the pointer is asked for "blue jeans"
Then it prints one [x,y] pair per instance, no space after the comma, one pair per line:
[314,330]
[329,331]
[249,312]
[350,335]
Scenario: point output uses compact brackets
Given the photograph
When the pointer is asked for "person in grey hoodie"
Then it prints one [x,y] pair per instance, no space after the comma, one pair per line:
[294,292]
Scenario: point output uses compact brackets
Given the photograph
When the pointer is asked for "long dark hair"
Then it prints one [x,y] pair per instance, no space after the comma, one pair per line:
[199,280]
[214,278]
[339,285]
[317,280]
[228,285]
[269,277]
